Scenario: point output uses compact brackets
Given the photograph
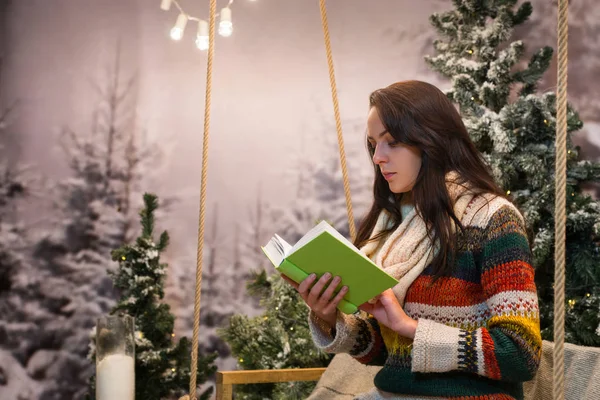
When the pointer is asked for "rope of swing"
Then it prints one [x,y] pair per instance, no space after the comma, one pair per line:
[338,121]
[199,255]
[560,199]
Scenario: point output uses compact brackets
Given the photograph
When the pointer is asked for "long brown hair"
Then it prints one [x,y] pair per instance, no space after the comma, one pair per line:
[420,115]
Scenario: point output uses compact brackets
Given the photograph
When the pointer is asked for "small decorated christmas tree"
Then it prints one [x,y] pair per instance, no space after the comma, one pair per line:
[162,363]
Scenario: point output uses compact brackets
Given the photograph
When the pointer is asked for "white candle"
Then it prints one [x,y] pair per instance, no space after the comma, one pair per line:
[115,378]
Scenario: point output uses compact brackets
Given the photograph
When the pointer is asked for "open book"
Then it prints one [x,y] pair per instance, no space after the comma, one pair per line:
[323,249]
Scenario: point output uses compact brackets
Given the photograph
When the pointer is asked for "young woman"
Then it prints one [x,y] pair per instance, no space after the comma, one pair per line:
[463,322]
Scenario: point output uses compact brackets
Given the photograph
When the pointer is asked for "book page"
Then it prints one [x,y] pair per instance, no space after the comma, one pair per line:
[274,251]
[286,247]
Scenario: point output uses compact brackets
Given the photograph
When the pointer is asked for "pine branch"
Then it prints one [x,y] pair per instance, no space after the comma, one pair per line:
[147,214]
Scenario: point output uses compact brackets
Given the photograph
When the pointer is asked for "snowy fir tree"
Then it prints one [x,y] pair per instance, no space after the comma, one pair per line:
[162,362]
[515,128]
[18,279]
[94,215]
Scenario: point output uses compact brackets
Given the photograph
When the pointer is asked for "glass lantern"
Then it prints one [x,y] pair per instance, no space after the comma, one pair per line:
[115,358]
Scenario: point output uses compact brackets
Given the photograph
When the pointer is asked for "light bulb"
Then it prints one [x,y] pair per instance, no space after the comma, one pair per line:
[202,41]
[225,25]
[165,4]
[177,31]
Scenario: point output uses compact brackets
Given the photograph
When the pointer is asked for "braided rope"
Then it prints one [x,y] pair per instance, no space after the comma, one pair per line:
[560,198]
[199,255]
[338,122]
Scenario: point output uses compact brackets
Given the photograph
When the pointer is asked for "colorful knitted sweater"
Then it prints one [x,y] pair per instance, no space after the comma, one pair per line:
[478,334]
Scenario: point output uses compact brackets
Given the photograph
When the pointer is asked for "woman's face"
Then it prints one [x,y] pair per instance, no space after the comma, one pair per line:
[398,163]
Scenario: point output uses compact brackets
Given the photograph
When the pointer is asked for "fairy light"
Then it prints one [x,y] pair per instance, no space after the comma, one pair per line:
[225,27]
[202,41]
[165,5]
[179,28]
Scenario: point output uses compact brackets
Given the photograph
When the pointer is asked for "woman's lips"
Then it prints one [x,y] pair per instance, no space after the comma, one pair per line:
[388,175]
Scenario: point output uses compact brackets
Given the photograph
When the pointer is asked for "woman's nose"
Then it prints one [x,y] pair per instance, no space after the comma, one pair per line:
[378,155]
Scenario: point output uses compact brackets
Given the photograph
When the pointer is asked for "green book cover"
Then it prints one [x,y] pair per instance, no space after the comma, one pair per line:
[323,249]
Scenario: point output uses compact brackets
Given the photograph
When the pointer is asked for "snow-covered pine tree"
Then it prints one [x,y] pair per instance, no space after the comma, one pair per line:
[279,337]
[18,278]
[162,363]
[13,187]
[515,129]
[94,212]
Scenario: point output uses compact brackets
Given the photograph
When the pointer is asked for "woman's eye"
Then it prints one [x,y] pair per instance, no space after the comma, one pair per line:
[394,143]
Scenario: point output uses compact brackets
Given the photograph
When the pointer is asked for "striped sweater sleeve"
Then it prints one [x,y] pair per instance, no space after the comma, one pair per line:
[358,335]
[508,347]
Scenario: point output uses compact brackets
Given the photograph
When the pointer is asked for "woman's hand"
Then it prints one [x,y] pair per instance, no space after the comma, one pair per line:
[322,303]
[390,313]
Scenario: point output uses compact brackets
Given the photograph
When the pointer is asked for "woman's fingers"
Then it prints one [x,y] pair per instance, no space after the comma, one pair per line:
[319,300]
[336,300]
[305,285]
[317,289]
[328,293]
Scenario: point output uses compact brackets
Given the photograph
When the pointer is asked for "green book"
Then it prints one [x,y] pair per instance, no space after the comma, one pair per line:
[323,249]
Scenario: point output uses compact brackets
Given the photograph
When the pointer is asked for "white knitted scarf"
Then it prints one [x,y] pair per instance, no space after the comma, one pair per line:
[408,250]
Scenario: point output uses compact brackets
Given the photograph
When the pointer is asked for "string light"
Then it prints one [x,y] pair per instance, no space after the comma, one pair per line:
[225,25]
[241,360]
[225,28]
[123,258]
[177,31]
[202,42]
[470,51]
[508,192]
[587,295]
[165,5]
[172,335]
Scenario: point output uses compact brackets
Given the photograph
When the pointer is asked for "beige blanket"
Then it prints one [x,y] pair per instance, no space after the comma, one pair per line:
[347,379]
